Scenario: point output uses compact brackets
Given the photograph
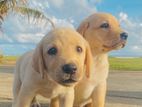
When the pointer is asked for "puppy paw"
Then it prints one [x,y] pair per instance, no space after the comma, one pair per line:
[36,104]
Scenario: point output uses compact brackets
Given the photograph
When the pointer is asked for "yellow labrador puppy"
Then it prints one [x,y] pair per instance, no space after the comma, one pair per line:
[52,69]
[104,34]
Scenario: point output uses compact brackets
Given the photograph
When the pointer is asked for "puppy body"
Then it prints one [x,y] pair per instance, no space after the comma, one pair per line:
[44,86]
[103,33]
[41,70]
[87,87]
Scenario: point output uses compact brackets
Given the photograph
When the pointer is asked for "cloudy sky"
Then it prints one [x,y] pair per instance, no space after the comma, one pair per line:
[19,35]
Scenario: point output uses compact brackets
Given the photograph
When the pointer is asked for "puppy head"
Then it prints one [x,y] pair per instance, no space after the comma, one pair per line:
[64,55]
[103,33]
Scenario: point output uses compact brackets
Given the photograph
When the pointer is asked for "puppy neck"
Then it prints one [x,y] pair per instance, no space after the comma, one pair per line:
[97,51]
[101,61]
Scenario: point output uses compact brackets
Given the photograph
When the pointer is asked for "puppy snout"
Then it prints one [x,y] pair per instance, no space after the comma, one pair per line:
[69,68]
[124,36]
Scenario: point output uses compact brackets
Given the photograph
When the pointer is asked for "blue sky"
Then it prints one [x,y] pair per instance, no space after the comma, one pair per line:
[131,7]
[19,36]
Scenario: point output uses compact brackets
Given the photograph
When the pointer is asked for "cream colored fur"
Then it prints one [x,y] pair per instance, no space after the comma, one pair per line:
[91,92]
[37,72]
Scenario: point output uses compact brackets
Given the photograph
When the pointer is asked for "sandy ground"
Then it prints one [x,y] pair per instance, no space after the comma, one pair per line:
[124,89]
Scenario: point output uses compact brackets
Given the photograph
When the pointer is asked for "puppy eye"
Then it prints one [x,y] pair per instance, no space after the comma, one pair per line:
[79,49]
[105,25]
[52,51]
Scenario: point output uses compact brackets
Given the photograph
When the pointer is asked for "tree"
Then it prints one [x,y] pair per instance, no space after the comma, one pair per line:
[7,6]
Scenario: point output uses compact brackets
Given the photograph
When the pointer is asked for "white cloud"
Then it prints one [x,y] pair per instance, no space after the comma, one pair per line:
[5,38]
[29,38]
[136,48]
[123,16]
[62,22]
[141,24]
[95,1]
[66,9]
[57,3]
[19,29]
[1,35]
[67,13]
[39,5]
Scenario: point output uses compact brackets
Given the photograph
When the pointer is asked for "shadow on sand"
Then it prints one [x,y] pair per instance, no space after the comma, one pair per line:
[9,104]
[125,97]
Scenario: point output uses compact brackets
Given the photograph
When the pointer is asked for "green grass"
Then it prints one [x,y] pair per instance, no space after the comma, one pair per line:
[10,58]
[127,64]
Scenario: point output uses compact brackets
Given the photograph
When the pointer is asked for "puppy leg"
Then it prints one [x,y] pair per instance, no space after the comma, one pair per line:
[25,96]
[16,86]
[67,99]
[89,105]
[98,97]
[54,102]
[35,103]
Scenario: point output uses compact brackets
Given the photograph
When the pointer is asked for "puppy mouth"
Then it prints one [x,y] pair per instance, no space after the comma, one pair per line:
[118,45]
[70,80]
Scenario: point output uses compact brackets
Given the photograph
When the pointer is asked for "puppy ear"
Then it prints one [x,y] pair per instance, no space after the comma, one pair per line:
[38,60]
[88,61]
[83,27]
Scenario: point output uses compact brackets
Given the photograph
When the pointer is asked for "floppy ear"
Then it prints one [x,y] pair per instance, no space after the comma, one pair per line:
[83,27]
[88,61]
[38,60]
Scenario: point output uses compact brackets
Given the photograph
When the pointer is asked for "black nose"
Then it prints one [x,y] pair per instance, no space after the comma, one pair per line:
[69,68]
[124,36]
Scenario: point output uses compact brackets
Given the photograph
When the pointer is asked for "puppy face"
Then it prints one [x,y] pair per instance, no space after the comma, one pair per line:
[64,55]
[103,32]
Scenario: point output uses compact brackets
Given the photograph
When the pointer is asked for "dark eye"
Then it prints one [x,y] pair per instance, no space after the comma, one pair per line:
[105,25]
[79,49]
[52,51]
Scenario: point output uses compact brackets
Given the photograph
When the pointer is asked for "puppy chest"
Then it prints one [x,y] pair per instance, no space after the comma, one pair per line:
[83,91]
[87,91]
[50,92]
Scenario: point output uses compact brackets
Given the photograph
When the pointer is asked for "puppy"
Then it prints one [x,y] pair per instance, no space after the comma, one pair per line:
[103,33]
[52,69]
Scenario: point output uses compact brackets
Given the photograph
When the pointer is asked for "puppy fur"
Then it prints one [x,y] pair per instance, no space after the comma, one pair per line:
[41,71]
[102,31]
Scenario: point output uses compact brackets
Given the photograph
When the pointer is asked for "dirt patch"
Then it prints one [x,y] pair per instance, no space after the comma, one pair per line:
[124,89]
[6,80]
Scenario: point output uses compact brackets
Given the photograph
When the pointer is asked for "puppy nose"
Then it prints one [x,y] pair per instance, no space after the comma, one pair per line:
[69,68]
[124,36]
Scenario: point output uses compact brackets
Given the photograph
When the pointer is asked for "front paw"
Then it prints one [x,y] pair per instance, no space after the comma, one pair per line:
[35,104]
